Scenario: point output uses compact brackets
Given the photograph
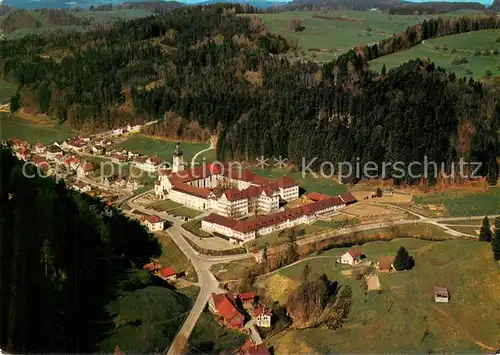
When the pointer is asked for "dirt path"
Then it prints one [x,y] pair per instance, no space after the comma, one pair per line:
[454,323]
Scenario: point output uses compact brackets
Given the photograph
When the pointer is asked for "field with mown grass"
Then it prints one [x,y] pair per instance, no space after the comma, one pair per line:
[323,39]
[172,255]
[164,149]
[478,52]
[308,182]
[458,203]
[174,208]
[404,318]
[33,131]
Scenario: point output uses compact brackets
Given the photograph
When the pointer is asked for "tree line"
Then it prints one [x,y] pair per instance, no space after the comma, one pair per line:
[225,73]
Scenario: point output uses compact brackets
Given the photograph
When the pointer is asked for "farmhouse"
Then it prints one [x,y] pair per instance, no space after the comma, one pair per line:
[167,273]
[221,305]
[81,186]
[150,164]
[84,169]
[154,223]
[386,263]
[152,266]
[441,295]
[351,257]
[262,317]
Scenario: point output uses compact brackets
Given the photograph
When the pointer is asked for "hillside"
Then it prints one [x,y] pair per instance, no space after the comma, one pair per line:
[403,318]
[69,279]
[213,69]
[19,20]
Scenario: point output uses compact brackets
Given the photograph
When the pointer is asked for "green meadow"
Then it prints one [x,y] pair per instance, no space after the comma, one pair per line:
[403,317]
[479,52]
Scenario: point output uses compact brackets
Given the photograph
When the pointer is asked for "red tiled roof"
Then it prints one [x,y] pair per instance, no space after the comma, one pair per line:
[167,271]
[286,181]
[154,219]
[155,160]
[151,266]
[246,296]
[348,198]
[314,196]
[355,253]
[88,167]
[385,262]
[260,349]
[235,194]
[228,311]
[191,190]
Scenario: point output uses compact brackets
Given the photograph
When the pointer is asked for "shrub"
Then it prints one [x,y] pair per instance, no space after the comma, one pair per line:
[477,52]
[459,60]
[486,52]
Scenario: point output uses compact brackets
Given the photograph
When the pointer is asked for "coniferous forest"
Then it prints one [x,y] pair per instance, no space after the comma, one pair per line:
[62,263]
[227,73]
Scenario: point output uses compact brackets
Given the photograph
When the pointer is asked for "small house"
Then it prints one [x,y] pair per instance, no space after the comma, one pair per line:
[386,263]
[152,266]
[81,186]
[247,297]
[167,273]
[221,305]
[351,257]
[154,223]
[441,295]
[262,317]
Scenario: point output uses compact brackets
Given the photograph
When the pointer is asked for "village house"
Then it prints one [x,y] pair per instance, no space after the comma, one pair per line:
[120,183]
[134,129]
[52,151]
[84,169]
[40,148]
[167,273]
[96,150]
[152,266]
[118,158]
[247,297]
[150,164]
[23,153]
[118,132]
[221,305]
[351,257]
[386,263]
[133,184]
[17,143]
[81,186]
[441,295]
[42,164]
[154,223]
[262,317]
[103,142]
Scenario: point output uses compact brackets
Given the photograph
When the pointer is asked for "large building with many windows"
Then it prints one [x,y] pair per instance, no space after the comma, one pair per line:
[231,192]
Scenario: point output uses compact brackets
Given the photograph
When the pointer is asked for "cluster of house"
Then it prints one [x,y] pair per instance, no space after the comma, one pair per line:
[355,256]
[242,312]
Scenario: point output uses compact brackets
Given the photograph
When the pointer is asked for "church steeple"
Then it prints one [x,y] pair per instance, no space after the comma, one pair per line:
[178,159]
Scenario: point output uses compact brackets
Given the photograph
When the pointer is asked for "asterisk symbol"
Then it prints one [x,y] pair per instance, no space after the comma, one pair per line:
[280,162]
[262,162]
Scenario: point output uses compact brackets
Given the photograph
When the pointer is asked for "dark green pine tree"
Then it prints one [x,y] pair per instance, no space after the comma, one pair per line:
[403,260]
[495,242]
[384,70]
[485,231]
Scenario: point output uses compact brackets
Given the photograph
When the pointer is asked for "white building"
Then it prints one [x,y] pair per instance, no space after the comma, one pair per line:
[134,129]
[263,319]
[81,187]
[351,257]
[178,159]
[150,164]
[118,132]
[84,169]
[154,223]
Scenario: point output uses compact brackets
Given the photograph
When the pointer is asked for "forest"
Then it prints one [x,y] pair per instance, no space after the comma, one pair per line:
[225,73]
[64,267]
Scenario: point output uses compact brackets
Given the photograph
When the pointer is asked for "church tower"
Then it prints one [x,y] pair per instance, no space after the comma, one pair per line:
[178,159]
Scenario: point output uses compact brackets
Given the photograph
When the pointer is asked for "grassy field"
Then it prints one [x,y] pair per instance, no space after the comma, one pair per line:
[403,318]
[164,149]
[6,91]
[33,132]
[324,39]
[174,208]
[194,227]
[232,270]
[172,255]
[444,50]
[209,337]
[458,203]
[309,183]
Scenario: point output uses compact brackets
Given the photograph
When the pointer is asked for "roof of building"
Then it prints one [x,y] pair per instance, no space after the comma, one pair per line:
[151,266]
[260,349]
[246,296]
[285,181]
[385,262]
[88,166]
[227,309]
[441,291]
[355,253]
[154,219]
[191,190]
[348,197]
[167,271]
[315,196]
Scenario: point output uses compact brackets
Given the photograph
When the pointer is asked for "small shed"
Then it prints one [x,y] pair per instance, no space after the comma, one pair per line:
[441,295]
[386,263]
